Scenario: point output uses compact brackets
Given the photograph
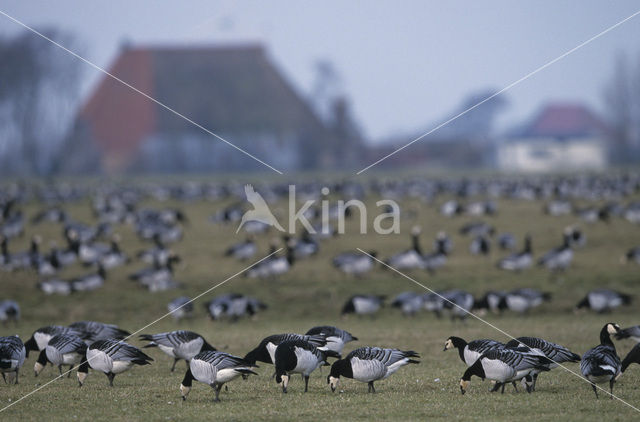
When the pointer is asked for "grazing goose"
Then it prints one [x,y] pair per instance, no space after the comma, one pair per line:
[114,257]
[63,349]
[520,260]
[602,364]
[9,311]
[490,301]
[55,286]
[433,302]
[89,282]
[233,306]
[632,357]
[306,246]
[363,305]
[112,357]
[40,337]
[603,300]
[504,366]
[243,250]
[631,332]
[437,258]
[12,355]
[369,364]
[299,357]
[458,303]
[480,245]
[181,307]
[470,352]
[632,255]
[214,369]
[178,344]
[336,337]
[266,350]
[411,258]
[274,266]
[523,300]
[410,303]
[506,241]
[159,276]
[94,330]
[559,259]
[477,228]
[555,353]
[355,263]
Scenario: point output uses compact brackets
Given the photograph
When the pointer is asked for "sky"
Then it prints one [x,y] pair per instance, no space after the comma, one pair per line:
[406,66]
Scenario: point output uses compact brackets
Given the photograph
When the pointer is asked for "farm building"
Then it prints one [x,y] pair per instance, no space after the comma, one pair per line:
[234,91]
[561,137]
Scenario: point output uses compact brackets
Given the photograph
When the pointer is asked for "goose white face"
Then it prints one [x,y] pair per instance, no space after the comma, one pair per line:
[81,377]
[184,391]
[37,368]
[333,382]
[463,386]
[285,382]
[448,345]
[613,328]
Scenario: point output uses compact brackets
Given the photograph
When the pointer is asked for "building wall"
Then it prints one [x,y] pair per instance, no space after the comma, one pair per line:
[550,155]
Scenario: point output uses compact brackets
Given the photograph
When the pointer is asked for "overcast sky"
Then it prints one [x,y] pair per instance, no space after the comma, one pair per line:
[405,65]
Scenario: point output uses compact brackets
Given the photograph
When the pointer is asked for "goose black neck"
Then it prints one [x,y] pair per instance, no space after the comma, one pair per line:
[605,338]
[459,344]
[416,244]
[188,378]
[42,357]
[475,369]
[341,367]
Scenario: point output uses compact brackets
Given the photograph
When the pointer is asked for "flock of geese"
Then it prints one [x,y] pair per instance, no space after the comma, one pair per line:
[101,347]
[96,248]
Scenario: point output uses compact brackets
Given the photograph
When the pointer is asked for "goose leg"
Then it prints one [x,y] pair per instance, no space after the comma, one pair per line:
[535,379]
[372,389]
[515,386]
[18,370]
[173,367]
[611,382]
[306,383]
[502,390]
[111,376]
[60,369]
[217,388]
[595,390]
[4,378]
[495,387]
[69,372]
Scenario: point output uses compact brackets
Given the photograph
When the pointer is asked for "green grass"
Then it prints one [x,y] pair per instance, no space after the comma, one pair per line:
[312,294]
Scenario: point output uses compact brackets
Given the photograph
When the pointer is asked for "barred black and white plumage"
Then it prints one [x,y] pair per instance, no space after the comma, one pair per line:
[336,337]
[300,357]
[369,364]
[95,330]
[602,364]
[603,300]
[179,344]
[215,369]
[63,349]
[181,307]
[111,357]
[265,351]
[40,337]
[12,355]
[504,366]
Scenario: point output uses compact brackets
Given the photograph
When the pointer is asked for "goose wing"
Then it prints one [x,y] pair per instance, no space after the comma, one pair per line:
[601,360]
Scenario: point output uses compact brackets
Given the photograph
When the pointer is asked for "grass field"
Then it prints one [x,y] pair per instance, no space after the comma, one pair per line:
[313,294]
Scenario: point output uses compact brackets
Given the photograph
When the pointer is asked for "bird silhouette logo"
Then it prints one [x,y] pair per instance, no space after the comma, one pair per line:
[260,211]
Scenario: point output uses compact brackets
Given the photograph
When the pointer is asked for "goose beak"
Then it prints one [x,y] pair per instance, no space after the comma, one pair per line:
[462,390]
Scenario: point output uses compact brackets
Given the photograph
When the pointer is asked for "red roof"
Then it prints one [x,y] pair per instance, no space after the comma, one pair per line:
[565,120]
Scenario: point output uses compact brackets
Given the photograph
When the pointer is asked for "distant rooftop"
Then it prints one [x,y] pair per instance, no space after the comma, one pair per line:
[563,120]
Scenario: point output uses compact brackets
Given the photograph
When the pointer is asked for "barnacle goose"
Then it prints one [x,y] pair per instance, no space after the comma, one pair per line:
[480,245]
[299,357]
[504,366]
[181,307]
[632,255]
[522,300]
[409,303]
[363,305]
[243,250]
[477,228]
[355,263]
[55,286]
[470,352]
[89,282]
[274,266]
[62,349]
[520,260]
[265,351]
[411,258]
[40,337]
[559,259]
[94,330]
[490,301]
[506,241]
[632,357]
[9,311]
[602,364]
[114,257]
[603,300]
[336,337]
[458,303]
[437,258]
[112,357]
[12,355]
[233,306]
[179,344]
[433,302]
[630,332]
[555,353]
[306,246]
[369,364]
[214,369]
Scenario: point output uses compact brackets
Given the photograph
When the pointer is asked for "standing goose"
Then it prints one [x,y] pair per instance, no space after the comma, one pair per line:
[95,330]
[299,357]
[181,307]
[63,349]
[363,305]
[214,369]
[631,332]
[178,344]
[9,311]
[522,300]
[520,260]
[243,250]
[40,338]
[504,366]
[274,266]
[89,282]
[411,258]
[12,355]
[437,258]
[603,300]
[336,337]
[410,303]
[559,259]
[369,364]
[470,352]
[266,350]
[602,364]
[112,357]
[555,353]
[355,263]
